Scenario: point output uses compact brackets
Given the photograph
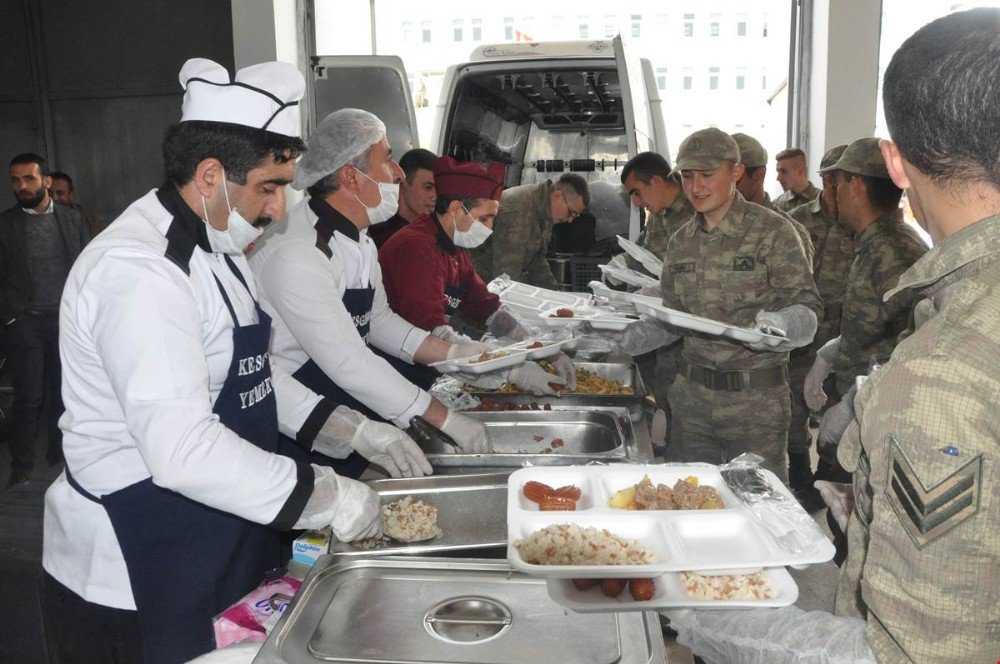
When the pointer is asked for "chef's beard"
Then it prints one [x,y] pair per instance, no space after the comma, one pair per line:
[31,202]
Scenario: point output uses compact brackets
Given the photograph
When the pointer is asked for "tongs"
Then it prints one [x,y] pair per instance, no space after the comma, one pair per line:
[430,438]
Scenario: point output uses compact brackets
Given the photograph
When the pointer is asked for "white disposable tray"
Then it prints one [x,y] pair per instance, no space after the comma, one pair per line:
[680,540]
[705,325]
[648,259]
[548,349]
[668,593]
[514,357]
[529,300]
[600,319]
[628,276]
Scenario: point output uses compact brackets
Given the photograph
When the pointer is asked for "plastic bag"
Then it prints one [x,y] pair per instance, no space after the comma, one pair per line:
[253,617]
[787,635]
[792,527]
[448,390]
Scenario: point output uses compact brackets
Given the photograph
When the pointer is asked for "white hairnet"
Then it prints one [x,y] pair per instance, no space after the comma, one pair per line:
[341,137]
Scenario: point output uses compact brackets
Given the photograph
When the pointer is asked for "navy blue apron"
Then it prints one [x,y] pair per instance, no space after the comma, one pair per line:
[188,562]
[358,302]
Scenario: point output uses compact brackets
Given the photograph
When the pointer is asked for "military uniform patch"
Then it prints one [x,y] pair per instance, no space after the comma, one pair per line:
[743,264]
[679,268]
[926,513]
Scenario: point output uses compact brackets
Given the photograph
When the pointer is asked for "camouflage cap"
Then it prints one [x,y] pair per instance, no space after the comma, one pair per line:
[831,157]
[705,149]
[862,157]
[752,153]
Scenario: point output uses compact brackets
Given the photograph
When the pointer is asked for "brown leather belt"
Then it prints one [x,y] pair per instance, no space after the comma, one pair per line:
[833,311]
[733,381]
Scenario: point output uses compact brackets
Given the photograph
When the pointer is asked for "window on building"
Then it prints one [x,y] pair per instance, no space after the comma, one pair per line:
[688,77]
[458,24]
[407,32]
[477,29]
[508,28]
[425,32]
[636,22]
[661,78]
[609,26]
[713,78]
[713,26]
[741,25]
[688,25]
[584,27]
[661,21]
[741,78]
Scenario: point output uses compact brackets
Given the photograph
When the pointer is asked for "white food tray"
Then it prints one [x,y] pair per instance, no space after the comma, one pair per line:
[669,594]
[629,276]
[680,540]
[529,300]
[649,260]
[600,319]
[514,357]
[705,325]
[548,349]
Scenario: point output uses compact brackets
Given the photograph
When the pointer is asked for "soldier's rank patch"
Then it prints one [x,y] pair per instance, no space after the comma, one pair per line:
[743,264]
[926,513]
[679,268]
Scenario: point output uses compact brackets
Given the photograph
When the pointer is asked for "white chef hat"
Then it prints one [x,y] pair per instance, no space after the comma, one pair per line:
[264,96]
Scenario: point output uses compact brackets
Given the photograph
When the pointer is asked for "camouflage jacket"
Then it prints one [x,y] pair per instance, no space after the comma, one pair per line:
[789,200]
[870,327]
[924,538]
[660,226]
[801,230]
[752,260]
[521,234]
[834,245]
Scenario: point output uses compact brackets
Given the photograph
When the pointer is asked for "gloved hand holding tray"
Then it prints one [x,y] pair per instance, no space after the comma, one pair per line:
[724,534]
[500,358]
[705,325]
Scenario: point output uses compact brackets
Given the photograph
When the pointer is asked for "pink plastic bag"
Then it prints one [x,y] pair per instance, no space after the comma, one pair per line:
[253,617]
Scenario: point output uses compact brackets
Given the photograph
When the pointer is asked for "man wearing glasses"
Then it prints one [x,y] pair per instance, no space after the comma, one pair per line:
[523,228]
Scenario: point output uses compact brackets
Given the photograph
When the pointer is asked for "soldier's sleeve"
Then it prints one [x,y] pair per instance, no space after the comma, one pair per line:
[891,262]
[670,298]
[657,235]
[790,271]
[539,270]
[508,244]
[929,579]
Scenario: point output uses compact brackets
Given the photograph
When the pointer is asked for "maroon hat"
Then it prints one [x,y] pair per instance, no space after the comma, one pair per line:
[468,179]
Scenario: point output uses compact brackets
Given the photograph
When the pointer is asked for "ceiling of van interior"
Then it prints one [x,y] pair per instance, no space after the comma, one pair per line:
[553,99]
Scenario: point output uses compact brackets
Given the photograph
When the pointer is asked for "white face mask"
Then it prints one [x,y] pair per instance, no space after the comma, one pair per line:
[472,238]
[389,204]
[239,233]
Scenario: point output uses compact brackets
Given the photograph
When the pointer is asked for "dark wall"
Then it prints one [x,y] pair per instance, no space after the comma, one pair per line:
[92,85]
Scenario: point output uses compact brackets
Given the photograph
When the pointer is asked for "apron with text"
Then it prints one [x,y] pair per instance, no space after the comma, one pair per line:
[188,562]
[358,302]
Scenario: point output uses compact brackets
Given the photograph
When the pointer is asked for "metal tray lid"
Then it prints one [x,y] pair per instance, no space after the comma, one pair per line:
[409,609]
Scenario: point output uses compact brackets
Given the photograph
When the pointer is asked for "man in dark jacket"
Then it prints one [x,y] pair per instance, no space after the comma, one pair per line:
[39,240]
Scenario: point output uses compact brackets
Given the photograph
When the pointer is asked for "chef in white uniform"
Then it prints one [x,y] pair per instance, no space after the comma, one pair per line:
[320,281]
[174,497]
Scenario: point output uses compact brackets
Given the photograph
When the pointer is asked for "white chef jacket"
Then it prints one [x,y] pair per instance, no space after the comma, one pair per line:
[145,351]
[302,288]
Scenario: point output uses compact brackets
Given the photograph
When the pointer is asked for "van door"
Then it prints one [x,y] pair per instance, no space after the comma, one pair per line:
[639,129]
[375,83]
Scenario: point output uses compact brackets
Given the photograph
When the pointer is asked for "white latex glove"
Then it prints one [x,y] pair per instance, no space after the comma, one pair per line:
[566,370]
[350,508]
[797,324]
[835,421]
[839,498]
[466,349]
[448,333]
[813,390]
[621,261]
[529,377]
[642,336]
[468,434]
[390,448]
[502,323]
[334,437]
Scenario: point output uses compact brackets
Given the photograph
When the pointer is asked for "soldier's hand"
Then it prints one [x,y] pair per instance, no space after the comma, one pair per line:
[813,391]
[839,498]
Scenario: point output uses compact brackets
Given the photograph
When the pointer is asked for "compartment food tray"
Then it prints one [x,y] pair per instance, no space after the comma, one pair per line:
[531,300]
[705,325]
[514,357]
[548,348]
[680,540]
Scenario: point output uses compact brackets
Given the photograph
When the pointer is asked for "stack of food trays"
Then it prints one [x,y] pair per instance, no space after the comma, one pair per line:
[705,549]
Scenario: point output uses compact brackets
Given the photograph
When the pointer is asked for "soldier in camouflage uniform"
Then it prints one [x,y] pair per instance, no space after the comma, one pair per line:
[885,247]
[834,243]
[793,179]
[648,180]
[924,561]
[523,228]
[745,265]
[753,156]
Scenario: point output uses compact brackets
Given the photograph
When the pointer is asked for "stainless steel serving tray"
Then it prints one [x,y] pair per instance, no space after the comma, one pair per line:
[587,433]
[472,514]
[626,373]
[406,609]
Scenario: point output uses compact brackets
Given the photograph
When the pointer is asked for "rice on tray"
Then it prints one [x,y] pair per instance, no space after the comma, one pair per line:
[569,544]
[407,520]
[726,586]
